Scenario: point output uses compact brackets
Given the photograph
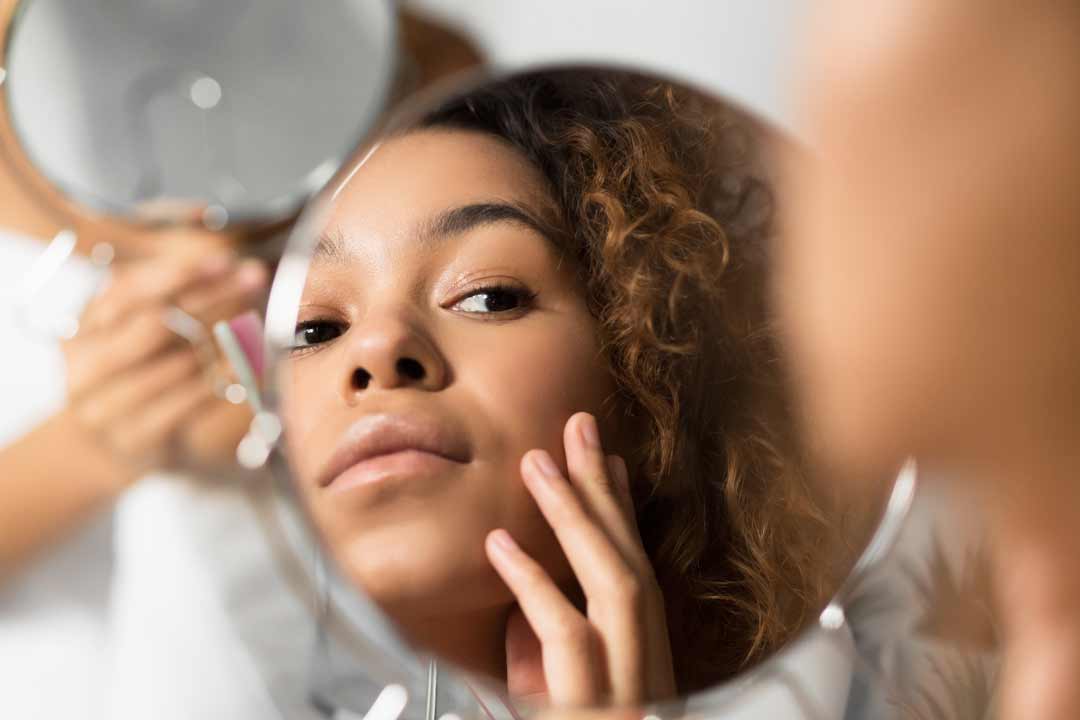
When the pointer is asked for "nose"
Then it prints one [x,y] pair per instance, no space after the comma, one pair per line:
[391,353]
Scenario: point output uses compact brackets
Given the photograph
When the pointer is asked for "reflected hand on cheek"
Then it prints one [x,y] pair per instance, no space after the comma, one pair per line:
[618,650]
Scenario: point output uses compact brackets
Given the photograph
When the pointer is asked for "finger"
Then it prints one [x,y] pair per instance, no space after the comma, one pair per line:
[151,431]
[210,439]
[524,662]
[605,494]
[616,595]
[137,387]
[628,713]
[620,477]
[594,714]
[227,296]
[148,282]
[566,638]
[93,359]
[659,665]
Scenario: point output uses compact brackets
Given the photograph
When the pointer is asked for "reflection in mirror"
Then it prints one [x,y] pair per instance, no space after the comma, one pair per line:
[532,400]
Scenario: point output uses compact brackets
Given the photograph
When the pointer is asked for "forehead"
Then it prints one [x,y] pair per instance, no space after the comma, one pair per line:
[412,177]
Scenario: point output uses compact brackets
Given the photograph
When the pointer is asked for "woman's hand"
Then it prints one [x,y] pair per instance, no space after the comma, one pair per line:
[618,650]
[132,382]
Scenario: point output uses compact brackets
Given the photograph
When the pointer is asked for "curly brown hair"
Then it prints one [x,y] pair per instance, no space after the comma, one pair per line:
[664,210]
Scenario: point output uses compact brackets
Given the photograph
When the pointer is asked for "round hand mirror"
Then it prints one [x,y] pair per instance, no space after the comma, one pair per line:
[232,109]
[527,400]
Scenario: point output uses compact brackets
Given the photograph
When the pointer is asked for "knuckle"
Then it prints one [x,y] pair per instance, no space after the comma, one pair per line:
[81,373]
[117,285]
[624,589]
[182,363]
[149,329]
[571,631]
[629,588]
[91,414]
[127,443]
[602,479]
[532,577]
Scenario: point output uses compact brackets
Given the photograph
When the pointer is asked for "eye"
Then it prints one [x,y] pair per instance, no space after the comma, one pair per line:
[315,332]
[494,299]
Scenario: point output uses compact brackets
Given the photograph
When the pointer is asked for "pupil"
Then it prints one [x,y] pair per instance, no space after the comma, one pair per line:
[499,301]
[319,334]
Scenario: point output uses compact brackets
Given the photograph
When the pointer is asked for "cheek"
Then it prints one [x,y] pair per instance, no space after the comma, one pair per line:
[534,381]
[525,388]
[308,393]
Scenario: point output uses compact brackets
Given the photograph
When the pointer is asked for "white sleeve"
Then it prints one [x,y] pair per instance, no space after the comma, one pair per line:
[53,621]
[32,375]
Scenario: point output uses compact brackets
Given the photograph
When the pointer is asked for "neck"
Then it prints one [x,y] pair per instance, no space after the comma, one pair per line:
[472,640]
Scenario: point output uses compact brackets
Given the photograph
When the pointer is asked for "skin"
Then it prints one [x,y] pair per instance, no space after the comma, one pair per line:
[539,574]
[139,387]
[931,279]
[137,399]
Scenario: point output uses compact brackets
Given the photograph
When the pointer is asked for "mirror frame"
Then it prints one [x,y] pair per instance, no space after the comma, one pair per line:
[265,446]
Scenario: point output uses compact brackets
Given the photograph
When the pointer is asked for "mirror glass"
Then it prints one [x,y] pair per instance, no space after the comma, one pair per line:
[525,389]
[231,108]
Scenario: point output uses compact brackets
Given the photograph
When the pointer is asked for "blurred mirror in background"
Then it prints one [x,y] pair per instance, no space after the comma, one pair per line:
[534,407]
[150,109]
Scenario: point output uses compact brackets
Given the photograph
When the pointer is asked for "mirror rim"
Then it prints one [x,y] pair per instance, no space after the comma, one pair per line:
[282,309]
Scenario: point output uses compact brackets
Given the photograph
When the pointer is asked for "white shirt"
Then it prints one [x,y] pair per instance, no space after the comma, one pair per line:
[168,605]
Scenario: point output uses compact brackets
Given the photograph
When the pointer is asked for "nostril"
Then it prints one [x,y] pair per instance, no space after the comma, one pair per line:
[361,378]
[410,368]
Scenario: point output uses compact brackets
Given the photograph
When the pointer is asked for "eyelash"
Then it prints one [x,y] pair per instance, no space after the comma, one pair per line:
[524,298]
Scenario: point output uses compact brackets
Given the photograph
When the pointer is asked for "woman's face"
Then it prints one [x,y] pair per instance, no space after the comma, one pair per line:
[441,335]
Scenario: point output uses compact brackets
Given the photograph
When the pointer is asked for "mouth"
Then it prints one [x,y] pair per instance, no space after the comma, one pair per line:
[380,446]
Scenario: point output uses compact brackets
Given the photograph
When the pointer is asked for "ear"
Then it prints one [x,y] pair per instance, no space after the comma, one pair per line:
[524,661]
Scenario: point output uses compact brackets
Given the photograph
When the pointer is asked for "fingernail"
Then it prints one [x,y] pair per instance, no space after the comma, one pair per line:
[545,465]
[502,539]
[590,435]
[251,275]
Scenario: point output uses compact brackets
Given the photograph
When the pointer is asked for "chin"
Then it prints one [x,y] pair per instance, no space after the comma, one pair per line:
[422,571]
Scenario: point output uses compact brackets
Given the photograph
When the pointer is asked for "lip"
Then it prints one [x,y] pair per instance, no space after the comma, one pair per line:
[380,445]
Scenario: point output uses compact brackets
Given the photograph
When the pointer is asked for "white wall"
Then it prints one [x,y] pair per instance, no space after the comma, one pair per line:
[741,48]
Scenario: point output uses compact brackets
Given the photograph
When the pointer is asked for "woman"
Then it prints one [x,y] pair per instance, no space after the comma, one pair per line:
[558,280]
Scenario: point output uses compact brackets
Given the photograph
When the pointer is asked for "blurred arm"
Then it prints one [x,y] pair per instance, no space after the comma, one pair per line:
[51,481]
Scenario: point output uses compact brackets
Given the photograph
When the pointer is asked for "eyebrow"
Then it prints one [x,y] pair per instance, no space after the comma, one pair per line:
[447,224]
